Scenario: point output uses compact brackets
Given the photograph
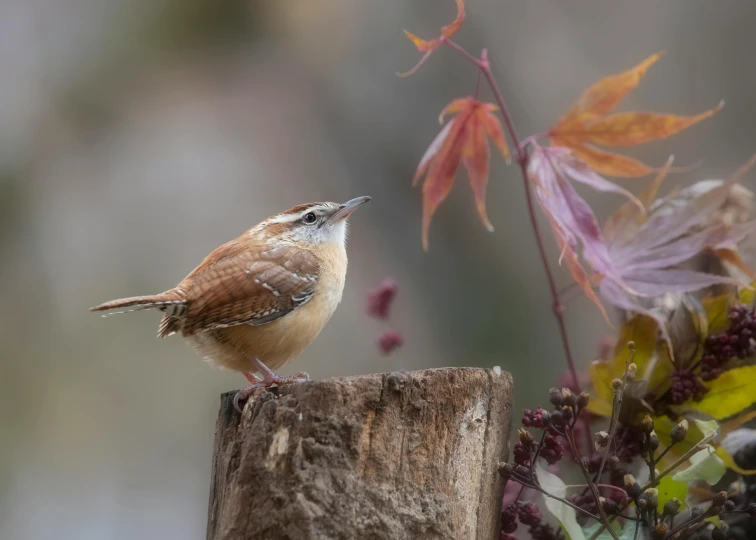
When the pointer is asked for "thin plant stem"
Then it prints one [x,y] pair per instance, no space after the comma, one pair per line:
[538,488]
[664,452]
[521,156]
[616,407]
[607,486]
[604,520]
[682,459]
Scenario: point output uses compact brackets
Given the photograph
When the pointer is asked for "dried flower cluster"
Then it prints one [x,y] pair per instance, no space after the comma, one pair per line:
[528,515]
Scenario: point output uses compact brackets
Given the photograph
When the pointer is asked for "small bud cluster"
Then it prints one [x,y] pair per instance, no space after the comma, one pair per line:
[535,419]
[736,342]
[378,305]
[686,386]
[530,516]
[552,450]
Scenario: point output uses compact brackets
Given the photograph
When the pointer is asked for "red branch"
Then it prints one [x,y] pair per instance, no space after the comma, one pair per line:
[521,155]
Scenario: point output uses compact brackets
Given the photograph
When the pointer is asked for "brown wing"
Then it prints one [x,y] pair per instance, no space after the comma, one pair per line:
[235,287]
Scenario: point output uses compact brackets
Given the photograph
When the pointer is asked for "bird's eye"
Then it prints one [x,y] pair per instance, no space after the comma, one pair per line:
[309,218]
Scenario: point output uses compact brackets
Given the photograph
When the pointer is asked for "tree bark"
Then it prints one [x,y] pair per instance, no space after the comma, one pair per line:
[387,456]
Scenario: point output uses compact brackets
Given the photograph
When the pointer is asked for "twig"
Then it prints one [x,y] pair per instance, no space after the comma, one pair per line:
[662,474]
[533,459]
[688,526]
[652,475]
[521,156]
[616,407]
[604,520]
[538,488]
[685,457]
[664,453]
[608,486]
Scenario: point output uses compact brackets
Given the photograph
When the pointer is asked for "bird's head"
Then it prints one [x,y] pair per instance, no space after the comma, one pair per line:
[315,223]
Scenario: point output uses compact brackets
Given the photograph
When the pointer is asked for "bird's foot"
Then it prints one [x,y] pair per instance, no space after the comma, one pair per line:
[269,378]
[255,383]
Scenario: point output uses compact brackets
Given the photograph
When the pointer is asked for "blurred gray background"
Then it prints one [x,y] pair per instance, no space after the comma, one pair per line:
[136,136]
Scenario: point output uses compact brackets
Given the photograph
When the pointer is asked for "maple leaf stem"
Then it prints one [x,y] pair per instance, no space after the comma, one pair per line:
[521,156]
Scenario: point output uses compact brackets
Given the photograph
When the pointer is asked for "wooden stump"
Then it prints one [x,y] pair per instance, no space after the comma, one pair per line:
[388,456]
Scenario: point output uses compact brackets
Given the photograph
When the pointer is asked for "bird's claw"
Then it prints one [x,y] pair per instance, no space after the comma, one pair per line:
[244,393]
[301,376]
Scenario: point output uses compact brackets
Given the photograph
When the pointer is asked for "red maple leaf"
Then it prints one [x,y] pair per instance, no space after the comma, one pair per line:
[463,139]
[428,46]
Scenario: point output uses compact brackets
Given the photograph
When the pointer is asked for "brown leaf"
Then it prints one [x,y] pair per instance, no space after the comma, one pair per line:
[602,97]
[589,122]
[731,256]
[606,163]
[630,129]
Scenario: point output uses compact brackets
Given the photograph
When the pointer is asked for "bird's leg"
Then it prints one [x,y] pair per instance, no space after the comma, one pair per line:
[255,382]
[269,378]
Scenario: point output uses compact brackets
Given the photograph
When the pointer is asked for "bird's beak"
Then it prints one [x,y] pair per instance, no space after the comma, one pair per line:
[347,208]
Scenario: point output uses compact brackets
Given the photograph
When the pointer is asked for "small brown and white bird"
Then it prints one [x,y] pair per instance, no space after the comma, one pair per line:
[256,302]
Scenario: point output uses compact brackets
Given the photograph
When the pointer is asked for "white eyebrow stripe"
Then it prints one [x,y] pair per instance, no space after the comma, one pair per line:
[284,218]
[289,218]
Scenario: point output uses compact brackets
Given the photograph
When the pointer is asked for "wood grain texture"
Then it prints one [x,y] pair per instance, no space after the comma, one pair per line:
[406,455]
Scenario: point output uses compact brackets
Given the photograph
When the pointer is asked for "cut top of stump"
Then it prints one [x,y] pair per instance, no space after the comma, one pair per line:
[399,455]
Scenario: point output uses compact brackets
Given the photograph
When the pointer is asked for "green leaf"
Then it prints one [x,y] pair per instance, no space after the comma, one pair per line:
[705,465]
[708,427]
[670,488]
[747,295]
[554,485]
[730,393]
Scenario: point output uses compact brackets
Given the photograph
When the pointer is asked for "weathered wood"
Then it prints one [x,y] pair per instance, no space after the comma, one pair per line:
[388,456]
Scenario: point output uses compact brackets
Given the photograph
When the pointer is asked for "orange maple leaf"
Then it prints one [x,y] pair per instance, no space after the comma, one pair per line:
[428,46]
[589,122]
[463,139]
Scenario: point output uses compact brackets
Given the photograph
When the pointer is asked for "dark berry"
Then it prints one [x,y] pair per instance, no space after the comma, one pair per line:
[521,454]
[509,519]
[736,342]
[686,386]
[552,450]
[529,515]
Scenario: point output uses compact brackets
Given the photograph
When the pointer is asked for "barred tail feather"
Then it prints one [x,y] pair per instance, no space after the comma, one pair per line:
[171,302]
